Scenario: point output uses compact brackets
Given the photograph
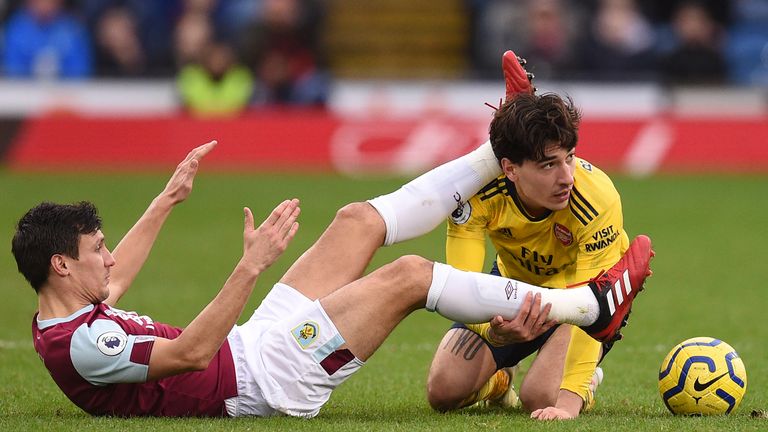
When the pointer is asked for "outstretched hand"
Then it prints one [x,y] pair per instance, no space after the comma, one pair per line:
[531,322]
[262,246]
[180,184]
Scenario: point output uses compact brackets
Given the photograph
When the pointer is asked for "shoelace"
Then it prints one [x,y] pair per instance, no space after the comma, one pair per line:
[587,282]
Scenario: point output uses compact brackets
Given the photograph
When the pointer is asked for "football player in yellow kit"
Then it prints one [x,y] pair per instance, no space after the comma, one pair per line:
[554,220]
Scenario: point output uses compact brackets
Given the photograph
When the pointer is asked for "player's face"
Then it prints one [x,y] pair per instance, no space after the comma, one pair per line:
[91,270]
[546,184]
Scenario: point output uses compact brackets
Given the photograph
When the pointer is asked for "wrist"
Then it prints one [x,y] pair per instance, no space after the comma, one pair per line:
[489,335]
[248,268]
[166,198]
[164,201]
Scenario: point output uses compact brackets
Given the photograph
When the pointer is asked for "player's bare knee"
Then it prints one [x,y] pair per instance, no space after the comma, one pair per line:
[360,215]
[413,264]
[412,272]
[446,389]
[439,404]
[441,397]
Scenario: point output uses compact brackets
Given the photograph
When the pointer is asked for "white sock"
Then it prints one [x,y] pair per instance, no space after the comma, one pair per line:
[423,203]
[470,297]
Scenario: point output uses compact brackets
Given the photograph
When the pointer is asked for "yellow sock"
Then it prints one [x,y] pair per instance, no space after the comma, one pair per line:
[491,390]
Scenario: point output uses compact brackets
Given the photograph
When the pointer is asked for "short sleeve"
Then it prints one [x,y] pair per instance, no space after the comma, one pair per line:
[103,353]
[469,221]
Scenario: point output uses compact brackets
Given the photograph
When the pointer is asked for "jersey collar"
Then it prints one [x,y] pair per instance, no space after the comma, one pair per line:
[42,324]
[512,192]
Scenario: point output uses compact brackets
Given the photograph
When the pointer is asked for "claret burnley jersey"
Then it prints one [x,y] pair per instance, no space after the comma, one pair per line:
[99,357]
[558,249]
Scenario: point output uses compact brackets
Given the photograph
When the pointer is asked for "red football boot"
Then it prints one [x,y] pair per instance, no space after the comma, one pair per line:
[616,289]
[517,79]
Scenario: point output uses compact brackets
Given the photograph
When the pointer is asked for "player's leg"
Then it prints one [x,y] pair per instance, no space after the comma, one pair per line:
[560,383]
[311,347]
[395,290]
[541,384]
[461,367]
[340,255]
[599,307]
[563,372]
[367,310]
[464,369]
[343,251]
[295,350]
[390,293]
[327,341]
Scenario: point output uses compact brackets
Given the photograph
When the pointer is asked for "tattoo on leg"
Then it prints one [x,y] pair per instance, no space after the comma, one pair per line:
[465,343]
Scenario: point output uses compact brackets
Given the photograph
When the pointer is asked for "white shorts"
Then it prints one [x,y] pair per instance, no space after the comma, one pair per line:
[286,357]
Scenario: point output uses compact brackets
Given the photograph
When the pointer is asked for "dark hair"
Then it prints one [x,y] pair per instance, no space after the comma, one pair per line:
[49,229]
[524,126]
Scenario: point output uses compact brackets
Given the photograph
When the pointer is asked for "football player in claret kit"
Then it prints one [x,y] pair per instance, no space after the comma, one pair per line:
[312,330]
[554,220]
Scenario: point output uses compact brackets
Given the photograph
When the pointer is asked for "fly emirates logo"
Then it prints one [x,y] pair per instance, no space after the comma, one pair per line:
[537,263]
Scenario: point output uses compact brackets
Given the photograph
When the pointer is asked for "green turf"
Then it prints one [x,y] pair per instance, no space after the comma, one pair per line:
[709,232]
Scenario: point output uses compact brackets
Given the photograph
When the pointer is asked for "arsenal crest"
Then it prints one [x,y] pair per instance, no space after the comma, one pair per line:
[563,234]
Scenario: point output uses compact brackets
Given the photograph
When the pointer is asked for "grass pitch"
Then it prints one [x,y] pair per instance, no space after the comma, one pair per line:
[709,234]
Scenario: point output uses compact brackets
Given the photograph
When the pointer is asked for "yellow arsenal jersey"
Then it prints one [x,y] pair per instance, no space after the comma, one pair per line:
[558,249]
[561,248]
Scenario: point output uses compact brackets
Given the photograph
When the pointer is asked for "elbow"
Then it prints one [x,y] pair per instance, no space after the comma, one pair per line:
[200,363]
[196,360]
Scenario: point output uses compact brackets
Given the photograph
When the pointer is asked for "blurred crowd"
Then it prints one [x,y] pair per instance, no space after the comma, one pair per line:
[225,54]
[228,54]
[675,41]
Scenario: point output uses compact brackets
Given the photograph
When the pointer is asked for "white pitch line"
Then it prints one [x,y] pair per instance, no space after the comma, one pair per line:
[11,345]
[649,147]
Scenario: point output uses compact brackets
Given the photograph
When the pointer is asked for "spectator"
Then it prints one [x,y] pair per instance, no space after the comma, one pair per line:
[546,30]
[496,27]
[696,58]
[42,40]
[218,86]
[283,49]
[119,52]
[193,33]
[543,31]
[229,17]
[132,37]
[619,44]
[550,37]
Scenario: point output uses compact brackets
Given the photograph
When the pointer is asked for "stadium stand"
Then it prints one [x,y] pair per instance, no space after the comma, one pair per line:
[383,79]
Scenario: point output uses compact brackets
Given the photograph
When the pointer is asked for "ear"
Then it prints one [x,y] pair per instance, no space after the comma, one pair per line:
[59,265]
[510,169]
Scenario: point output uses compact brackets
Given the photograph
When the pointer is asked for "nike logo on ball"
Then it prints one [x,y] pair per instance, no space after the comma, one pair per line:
[701,386]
